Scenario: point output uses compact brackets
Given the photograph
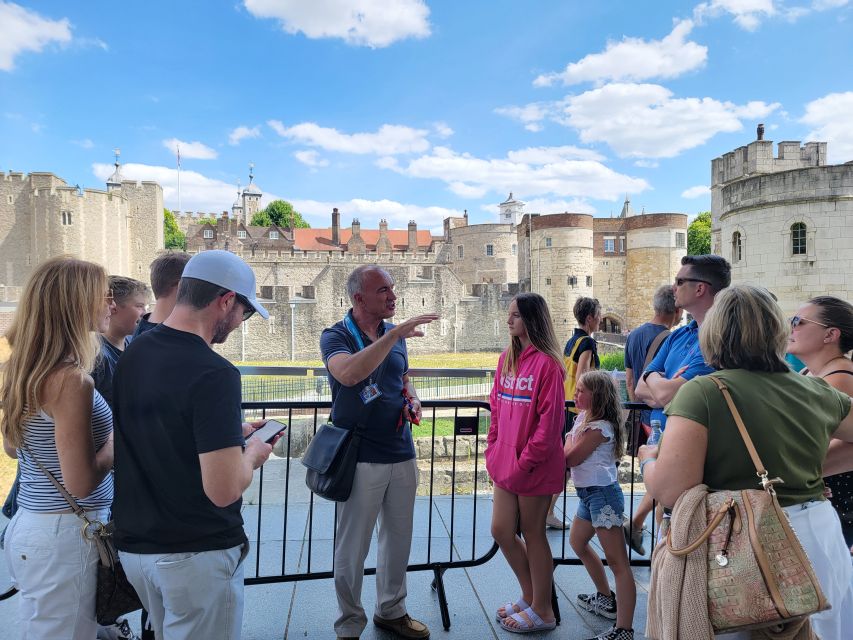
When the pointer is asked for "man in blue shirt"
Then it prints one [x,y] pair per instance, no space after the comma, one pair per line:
[368,372]
[679,358]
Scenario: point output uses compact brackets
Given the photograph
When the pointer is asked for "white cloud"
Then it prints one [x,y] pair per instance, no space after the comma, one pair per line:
[195,150]
[696,192]
[24,30]
[832,120]
[242,132]
[635,59]
[442,130]
[646,164]
[390,139]
[546,155]
[471,177]
[371,23]
[530,115]
[747,14]
[369,212]
[198,192]
[646,121]
[85,143]
[311,159]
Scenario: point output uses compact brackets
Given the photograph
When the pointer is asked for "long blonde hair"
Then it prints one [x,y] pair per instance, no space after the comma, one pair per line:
[54,325]
[537,321]
[605,405]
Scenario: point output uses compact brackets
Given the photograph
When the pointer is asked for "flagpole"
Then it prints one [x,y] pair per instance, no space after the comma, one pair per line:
[179,178]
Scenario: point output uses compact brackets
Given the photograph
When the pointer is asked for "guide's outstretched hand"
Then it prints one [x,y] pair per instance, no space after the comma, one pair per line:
[409,328]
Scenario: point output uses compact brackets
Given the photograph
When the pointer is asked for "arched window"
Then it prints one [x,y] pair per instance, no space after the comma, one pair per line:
[737,247]
[798,239]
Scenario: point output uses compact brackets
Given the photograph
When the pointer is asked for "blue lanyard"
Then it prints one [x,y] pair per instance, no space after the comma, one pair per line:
[356,333]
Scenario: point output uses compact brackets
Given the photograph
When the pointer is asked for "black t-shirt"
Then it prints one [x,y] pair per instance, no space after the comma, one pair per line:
[588,343]
[174,399]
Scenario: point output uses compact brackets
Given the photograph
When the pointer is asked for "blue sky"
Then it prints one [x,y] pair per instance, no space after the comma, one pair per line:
[419,109]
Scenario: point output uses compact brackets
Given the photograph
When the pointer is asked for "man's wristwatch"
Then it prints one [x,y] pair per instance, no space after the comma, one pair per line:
[646,374]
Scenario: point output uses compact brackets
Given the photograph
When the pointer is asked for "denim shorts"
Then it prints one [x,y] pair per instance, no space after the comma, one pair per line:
[602,506]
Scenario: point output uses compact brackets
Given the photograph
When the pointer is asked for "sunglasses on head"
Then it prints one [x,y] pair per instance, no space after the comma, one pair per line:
[680,281]
[796,321]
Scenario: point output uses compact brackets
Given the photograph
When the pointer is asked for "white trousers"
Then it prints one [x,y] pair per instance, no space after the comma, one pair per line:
[190,595]
[55,569]
[383,493]
[819,530]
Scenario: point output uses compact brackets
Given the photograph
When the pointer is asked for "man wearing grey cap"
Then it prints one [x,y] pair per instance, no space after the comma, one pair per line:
[182,457]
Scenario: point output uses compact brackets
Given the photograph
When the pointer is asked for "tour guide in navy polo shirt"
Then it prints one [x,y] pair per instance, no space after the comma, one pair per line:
[679,358]
[368,372]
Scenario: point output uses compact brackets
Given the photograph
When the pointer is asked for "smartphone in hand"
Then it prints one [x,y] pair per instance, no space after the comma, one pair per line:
[269,431]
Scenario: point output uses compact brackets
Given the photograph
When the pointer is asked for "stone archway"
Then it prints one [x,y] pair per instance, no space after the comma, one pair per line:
[611,324]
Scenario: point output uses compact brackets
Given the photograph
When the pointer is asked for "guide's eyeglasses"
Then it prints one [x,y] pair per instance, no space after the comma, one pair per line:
[796,321]
[680,281]
[248,309]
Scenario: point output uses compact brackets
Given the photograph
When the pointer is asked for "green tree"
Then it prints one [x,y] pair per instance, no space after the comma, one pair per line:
[173,237]
[699,235]
[209,219]
[282,213]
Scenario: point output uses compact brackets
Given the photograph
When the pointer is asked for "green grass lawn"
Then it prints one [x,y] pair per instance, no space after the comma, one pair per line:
[473,360]
[443,427]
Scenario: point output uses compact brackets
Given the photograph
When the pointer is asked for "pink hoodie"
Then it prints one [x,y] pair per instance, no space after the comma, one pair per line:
[525,452]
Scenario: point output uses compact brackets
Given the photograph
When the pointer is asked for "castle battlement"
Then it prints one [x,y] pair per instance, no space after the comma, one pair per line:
[12,175]
[757,158]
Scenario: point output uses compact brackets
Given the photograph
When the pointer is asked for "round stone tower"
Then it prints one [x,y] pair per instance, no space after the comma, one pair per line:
[561,264]
[656,244]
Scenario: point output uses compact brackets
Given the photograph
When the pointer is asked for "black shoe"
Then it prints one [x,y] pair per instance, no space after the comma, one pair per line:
[599,604]
[615,633]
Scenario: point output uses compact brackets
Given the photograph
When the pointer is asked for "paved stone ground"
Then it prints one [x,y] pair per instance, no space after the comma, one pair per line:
[307,609]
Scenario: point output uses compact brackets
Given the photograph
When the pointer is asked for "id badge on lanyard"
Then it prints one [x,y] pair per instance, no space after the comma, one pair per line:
[372,390]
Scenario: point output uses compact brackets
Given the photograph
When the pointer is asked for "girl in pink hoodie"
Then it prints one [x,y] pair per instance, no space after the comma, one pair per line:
[525,459]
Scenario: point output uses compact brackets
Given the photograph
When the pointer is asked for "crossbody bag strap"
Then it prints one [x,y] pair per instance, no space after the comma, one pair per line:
[654,347]
[78,510]
[760,469]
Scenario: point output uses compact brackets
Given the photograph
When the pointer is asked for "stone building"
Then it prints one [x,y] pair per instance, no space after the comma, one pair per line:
[41,216]
[784,221]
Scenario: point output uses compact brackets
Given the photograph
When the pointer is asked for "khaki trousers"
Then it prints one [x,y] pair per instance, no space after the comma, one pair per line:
[383,496]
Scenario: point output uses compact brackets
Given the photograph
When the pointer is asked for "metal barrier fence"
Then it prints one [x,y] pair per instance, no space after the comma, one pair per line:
[447,548]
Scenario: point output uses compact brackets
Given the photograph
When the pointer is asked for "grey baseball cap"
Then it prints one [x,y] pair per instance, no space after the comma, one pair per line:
[227,270]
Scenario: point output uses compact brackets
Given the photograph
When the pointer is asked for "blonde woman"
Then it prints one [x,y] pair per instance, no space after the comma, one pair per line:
[524,458]
[52,413]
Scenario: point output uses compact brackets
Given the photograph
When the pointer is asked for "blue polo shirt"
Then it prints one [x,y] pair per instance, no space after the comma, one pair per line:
[383,441]
[679,349]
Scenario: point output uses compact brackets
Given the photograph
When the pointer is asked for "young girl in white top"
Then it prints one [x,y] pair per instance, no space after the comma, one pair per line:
[593,450]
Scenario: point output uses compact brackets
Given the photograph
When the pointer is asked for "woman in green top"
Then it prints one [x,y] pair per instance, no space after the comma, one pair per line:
[790,418]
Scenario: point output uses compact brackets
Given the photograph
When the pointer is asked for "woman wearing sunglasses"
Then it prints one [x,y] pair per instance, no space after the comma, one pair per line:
[821,335]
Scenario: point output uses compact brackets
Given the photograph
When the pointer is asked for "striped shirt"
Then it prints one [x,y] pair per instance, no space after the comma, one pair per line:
[37,492]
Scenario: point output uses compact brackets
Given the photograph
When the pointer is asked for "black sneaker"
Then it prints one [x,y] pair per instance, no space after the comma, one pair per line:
[600,604]
[615,633]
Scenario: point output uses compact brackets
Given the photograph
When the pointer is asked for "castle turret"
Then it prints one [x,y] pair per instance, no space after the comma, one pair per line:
[237,208]
[511,210]
[251,196]
[114,181]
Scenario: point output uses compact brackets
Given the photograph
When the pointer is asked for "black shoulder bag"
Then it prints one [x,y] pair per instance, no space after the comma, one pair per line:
[332,455]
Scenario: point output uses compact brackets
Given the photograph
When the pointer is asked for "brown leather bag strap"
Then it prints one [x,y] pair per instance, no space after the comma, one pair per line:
[760,469]
[654,347]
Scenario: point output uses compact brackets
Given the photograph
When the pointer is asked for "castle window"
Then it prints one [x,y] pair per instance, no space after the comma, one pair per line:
[460,251]
[444,327]
[572,281]
[589,281]
[490,249]
[548,281]
[610,245]
[622,244]
[66,218]
[680,240]
[273,235]
[271,325]
[515,249]
[547,242]
[241,234]
[798,239]
[208,234]
[737,247]
[10,199]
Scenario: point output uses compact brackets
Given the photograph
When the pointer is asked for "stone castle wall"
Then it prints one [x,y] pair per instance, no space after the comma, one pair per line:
[476,265]
[763,209]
